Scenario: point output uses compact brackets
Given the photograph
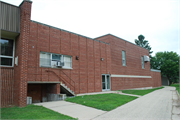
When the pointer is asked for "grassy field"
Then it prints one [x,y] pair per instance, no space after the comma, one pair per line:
[140,92]
[31,112]
[177,87]
[104,102]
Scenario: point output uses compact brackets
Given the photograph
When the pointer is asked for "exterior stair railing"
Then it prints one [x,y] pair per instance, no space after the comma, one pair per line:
[63,79]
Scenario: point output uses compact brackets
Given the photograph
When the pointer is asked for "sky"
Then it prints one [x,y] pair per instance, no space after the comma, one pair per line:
[157,20]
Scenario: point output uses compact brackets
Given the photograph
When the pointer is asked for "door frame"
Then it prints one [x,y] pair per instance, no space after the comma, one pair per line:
[106,82]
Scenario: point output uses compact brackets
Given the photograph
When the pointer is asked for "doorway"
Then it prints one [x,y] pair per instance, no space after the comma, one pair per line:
[35,91]
[106,82]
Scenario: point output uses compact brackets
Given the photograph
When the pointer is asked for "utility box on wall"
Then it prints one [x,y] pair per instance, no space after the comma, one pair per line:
[146,58]
[29,100]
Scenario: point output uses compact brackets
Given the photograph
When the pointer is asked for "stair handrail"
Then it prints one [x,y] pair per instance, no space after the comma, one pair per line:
[70,79]
[63,78]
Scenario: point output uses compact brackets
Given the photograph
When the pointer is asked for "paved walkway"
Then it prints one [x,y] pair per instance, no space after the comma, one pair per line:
[74,110]
[153,106]
[159,105]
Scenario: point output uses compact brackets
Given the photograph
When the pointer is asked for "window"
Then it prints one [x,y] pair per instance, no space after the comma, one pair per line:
[45,59]
[142,61]
[7,52]
[55,60]
[124,58]
[67,61]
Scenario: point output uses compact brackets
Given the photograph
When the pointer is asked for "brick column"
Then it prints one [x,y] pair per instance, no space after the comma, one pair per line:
[21,50]
[58,88]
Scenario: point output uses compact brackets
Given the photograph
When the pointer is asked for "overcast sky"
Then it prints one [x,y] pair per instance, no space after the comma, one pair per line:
[157,20]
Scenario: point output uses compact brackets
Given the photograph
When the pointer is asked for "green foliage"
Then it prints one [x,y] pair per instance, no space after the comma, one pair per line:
[31,112]
[177,87]
[143,43]
[140,92]
[105,102]
[168,63]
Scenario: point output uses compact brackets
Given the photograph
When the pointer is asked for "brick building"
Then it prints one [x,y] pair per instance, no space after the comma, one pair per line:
[43,61]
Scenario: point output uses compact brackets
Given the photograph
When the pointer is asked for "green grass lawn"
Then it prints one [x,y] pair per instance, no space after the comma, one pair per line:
[31,112]
[140,92]
[177,87]
[104,102]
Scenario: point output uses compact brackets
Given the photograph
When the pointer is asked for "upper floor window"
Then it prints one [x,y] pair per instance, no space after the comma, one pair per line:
[68,61]
[124,58]
[142,61]
[7,52]
[55,60]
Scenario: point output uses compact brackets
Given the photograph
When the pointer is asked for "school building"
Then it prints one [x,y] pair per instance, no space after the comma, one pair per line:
[44,62]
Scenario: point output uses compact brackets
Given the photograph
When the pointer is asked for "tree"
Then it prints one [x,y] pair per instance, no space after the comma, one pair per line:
[143,43]
[168,63]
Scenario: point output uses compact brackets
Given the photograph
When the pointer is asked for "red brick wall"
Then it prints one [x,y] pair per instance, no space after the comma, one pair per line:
[21,50]
[133,64]
[53,88]
[38,91]
[133,57]
[86,71]
[7,86]
[156,78]
[97,66]
[118,83]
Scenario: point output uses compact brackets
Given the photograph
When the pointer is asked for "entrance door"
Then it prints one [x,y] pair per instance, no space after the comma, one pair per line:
[106,82]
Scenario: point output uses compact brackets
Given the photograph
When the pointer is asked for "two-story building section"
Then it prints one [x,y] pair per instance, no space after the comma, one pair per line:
[44,62]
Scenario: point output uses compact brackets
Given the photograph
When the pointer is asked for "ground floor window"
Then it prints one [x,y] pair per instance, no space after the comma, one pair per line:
[55,60]
[7,52]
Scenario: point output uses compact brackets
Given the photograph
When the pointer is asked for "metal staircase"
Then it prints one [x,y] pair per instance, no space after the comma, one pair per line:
[64,83]
[66,90]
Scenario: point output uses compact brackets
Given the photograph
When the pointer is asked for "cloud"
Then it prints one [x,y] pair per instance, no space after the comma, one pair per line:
[157,20]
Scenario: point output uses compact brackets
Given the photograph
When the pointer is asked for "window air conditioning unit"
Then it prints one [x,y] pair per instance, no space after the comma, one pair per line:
[146,58]
[60,64]
[53,63]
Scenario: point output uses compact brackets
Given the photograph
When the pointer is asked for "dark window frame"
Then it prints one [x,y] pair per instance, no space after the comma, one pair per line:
[10,57]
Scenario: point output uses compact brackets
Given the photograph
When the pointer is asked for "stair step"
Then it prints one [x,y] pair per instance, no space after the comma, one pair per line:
[68,89]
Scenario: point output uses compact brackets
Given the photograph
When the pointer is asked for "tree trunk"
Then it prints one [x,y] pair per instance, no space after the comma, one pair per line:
[169,80]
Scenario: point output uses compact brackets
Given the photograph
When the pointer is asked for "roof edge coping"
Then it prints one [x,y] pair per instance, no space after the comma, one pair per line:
[119,38]
[9,4]
[25,1]
[70,32]
[154,70]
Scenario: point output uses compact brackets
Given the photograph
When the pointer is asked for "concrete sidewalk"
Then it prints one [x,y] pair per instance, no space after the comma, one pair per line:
[71,109]
[161,104]
[153,106]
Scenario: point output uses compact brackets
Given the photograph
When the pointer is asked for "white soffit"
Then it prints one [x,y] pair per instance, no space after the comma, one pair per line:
[131,76]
